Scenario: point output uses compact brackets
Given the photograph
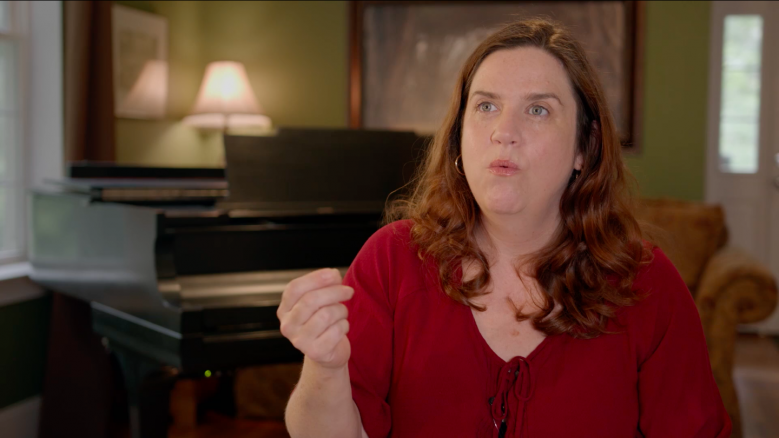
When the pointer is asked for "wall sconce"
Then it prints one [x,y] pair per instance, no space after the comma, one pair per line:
[226,100]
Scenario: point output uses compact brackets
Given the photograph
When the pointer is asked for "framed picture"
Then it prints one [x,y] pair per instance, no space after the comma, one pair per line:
[405,56]
[140,54]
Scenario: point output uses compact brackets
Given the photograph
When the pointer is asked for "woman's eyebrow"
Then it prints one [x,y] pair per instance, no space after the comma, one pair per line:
[542,96]
[529,96]
[486,94]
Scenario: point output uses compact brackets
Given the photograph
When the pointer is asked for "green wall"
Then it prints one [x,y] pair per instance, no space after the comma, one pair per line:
[672,162]
[24,330]
[296,54]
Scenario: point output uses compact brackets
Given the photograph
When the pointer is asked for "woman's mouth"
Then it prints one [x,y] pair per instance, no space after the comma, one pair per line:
[503,168]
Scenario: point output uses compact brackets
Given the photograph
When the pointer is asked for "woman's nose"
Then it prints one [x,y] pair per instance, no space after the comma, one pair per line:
[506,130]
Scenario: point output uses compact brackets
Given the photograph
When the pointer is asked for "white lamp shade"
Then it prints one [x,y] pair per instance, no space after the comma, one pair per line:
[226,99]
[148,96]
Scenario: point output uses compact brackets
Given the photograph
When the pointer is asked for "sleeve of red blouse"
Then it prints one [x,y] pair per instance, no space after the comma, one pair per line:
[677,392]
[370,333]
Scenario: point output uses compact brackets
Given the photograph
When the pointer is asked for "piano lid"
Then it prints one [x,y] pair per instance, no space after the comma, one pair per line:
[319,171]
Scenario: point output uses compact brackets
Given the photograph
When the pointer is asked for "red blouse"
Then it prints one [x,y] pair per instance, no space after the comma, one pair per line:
[420,367]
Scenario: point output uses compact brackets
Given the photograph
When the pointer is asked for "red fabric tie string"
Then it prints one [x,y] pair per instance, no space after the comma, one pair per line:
[515,377]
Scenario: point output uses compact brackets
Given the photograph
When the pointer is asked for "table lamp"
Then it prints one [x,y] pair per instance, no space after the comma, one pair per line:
[226,100]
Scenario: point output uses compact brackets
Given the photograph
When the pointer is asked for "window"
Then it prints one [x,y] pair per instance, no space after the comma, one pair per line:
[11,157]
[740,108]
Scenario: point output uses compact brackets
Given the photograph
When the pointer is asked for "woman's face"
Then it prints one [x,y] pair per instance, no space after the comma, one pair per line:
[519,133]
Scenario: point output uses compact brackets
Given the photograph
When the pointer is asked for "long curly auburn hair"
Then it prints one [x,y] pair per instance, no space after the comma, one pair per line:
[591,262]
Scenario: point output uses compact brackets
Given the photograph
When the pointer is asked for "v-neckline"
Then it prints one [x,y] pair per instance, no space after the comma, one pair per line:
[485,345]
[490,352]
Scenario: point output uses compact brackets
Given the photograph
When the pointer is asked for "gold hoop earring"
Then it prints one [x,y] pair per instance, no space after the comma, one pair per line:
[457,165]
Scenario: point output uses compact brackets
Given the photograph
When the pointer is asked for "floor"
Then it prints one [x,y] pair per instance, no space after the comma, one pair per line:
[756,377]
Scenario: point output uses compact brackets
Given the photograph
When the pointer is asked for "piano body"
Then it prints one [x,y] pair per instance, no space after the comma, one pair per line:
[183,281]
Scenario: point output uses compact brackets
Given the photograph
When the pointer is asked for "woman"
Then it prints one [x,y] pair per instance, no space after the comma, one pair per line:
[517,298]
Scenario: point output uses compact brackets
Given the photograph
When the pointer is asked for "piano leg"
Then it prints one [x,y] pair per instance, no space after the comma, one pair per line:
[148,390]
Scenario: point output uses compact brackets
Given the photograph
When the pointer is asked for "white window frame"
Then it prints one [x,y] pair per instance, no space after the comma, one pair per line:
[16,227]
[41,106]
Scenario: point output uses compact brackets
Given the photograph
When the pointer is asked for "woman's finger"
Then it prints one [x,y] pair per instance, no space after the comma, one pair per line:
[293,320]
[298,287]
[324,347]
[322,319]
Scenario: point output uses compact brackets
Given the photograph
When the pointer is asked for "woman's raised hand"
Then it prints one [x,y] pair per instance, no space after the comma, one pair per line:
[313,317]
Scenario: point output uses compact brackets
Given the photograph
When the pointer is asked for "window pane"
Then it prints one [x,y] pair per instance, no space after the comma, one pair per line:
[7,148]
[739,141]
[7,76]
[738,147]
[4,147]
[8,205]
[9,240]
[5,16]
[743,40]
[5,222]
[740,95]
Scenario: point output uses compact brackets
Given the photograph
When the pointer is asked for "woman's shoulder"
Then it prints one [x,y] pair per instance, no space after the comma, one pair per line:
[393,239]
[660,280]
[666,305]
[390,247]
[657,281]
[398,231]
[388,263]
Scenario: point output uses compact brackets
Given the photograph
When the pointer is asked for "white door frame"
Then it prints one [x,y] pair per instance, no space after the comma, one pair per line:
[751,201]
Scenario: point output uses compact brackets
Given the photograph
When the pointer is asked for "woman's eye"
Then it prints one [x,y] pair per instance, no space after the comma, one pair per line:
[538,110]
[486,107]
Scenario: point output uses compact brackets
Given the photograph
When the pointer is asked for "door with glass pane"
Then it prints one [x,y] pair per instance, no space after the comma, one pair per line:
[743,136]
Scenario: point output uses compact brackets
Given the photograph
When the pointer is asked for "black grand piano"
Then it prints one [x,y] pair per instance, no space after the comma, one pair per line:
[183,269]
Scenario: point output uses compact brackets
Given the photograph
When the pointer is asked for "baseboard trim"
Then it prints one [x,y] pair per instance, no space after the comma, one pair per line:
[20,420]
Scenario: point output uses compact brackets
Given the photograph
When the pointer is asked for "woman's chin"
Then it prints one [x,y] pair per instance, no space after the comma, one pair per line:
[502,206]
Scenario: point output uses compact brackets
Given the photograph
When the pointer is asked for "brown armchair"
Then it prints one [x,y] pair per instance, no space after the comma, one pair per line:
[729,286]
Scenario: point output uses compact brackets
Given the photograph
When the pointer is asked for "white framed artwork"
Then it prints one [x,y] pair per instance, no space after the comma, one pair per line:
[140,54]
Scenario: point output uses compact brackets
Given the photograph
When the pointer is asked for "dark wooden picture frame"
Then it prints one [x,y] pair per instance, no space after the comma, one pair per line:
[628,89]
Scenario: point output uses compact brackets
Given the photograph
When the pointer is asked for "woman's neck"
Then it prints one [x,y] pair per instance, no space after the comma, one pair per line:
[510,238]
